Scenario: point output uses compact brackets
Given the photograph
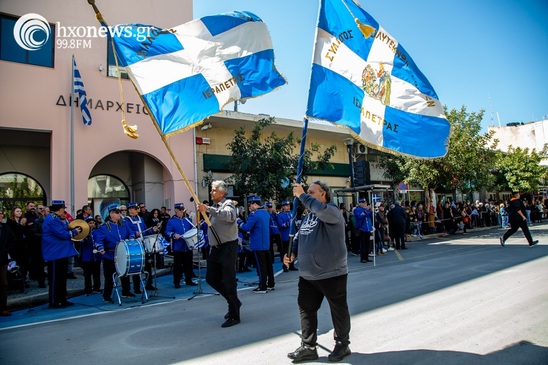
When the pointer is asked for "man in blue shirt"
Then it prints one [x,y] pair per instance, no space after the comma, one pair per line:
[284,224]
[364,224]
[57,247]
[257,225]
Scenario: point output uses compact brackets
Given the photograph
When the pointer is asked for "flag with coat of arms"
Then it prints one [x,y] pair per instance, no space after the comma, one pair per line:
[363,79]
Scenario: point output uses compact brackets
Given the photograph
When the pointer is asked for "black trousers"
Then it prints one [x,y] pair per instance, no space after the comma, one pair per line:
[92,271]
[311,294]
[514,226]
[57,279]
[264,269]
[276,239]
[182,263]
[108,269]
[3,287]
[221,274]
[366,245]
[399,238]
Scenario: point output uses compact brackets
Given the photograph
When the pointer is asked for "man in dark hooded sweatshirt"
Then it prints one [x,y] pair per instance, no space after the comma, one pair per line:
[323,271]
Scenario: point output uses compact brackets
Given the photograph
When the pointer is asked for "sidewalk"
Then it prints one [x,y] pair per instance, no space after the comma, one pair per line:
[35,296]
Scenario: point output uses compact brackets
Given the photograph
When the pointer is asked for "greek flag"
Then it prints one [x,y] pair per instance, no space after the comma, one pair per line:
[187,73]
[362,78]
[79,90]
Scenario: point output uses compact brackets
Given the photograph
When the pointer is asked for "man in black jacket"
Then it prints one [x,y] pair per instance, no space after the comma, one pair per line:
[517,219]
[397,219]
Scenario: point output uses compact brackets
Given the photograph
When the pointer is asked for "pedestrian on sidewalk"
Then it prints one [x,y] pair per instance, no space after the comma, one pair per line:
[517,219]
[323,271]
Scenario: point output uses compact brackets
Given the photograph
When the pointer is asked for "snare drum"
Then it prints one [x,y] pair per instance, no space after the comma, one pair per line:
[129,257]
[153,243]
[191,237]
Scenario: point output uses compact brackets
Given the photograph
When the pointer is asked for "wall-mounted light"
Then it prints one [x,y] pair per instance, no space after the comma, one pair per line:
[207,126]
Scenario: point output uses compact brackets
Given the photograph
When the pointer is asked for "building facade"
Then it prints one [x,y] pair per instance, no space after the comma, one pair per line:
[45,144]
[35,110]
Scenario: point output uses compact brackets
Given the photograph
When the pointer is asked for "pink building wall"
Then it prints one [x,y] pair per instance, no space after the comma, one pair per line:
[29,96]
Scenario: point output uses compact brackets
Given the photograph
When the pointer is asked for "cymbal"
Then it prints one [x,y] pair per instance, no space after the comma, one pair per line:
[82,224]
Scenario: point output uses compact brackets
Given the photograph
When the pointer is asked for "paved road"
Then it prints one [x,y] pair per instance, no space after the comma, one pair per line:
[453,300]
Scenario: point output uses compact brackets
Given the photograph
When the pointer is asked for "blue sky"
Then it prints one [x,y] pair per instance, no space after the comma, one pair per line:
[486,54]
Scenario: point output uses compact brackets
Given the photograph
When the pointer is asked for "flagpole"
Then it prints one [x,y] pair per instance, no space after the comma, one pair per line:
[300,167]
[72,205]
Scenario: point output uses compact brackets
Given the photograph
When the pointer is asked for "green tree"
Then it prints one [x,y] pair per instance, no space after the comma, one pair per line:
[267,165]
[520,169]
[466,165]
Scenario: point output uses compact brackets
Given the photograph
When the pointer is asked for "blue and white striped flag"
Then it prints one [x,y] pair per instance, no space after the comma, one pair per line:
[362,78]
[187,73]
[78,86]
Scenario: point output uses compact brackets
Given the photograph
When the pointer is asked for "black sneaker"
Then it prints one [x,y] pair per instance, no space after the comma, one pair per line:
[128,295]
[108,300]
[339,352]
[501,239]
[269,288]
[258,290]
[534,243]
[230,322]
[138,291]
[304,353]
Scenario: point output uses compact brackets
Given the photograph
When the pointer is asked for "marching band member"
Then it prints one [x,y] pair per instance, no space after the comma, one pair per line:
[91,260]
[108,235]
[177,226]
[138,226]
[57,247]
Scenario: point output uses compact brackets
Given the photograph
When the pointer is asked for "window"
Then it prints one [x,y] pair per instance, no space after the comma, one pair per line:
[18,189]
[11,51]
[112,71]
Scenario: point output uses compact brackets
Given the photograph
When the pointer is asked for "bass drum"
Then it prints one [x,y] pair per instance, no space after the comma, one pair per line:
[129,257]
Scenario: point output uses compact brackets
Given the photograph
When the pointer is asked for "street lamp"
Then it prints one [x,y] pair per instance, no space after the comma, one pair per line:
[349,142]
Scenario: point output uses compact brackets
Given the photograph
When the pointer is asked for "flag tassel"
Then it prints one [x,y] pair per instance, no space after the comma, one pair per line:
[131,130]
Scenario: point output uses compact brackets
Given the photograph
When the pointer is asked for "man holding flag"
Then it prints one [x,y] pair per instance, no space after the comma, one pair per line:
[363,79]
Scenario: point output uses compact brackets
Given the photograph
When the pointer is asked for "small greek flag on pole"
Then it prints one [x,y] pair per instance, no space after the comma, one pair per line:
[186,73]
[362,78]
[79,90]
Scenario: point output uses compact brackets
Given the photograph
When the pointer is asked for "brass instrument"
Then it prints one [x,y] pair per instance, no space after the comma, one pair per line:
[82,224]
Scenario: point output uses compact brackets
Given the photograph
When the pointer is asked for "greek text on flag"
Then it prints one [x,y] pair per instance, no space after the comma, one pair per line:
[362,78]
[189,72]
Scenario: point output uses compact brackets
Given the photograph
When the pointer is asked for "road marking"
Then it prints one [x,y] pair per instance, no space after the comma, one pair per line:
[400,257]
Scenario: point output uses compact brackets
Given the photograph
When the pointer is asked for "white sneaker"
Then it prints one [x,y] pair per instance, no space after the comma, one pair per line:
[384,250]
[391,249]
